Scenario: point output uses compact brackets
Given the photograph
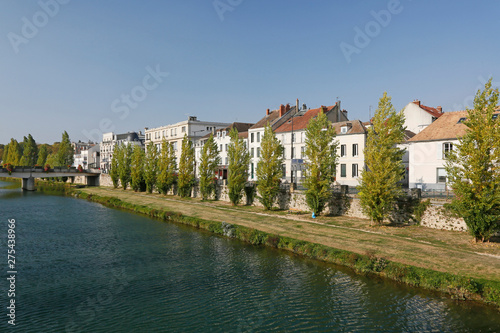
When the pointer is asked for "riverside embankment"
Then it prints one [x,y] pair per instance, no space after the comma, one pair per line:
[433,259]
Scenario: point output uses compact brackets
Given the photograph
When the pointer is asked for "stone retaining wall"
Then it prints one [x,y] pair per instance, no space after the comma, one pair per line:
[340,205]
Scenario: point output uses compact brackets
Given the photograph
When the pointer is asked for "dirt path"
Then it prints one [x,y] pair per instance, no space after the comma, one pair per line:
[439,250]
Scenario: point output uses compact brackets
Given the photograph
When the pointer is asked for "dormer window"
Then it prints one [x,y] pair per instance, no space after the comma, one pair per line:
[344,129]
[461,120]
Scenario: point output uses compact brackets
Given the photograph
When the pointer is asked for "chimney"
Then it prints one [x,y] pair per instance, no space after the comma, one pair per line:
[282,110]
[440,109]
[304,106]
[416,102]
[267,112]
[287,107]
[297,106]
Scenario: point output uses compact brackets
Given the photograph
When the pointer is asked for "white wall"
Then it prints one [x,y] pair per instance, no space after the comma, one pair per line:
[416,119]
[425,159]
[348,140]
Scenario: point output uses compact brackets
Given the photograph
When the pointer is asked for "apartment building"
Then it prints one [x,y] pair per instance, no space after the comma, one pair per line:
[109,142]
[174,133]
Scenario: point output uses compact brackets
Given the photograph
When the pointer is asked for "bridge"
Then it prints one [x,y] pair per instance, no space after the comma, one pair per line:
[28,175]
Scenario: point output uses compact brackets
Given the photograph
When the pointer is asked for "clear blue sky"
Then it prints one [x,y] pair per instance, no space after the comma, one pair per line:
[231,64]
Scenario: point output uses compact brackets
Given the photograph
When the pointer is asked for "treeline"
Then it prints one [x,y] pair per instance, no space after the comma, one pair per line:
[28,153]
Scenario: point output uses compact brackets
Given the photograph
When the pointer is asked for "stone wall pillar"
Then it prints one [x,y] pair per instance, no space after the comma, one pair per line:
[29,184]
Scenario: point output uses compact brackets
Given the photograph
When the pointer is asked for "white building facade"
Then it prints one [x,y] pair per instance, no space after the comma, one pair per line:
[173,134]
[109,142]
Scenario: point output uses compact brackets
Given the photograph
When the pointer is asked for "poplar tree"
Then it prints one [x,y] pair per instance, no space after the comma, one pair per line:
[151,166]
[209,161]
[186,168]
[14,153]
[321,157]
[5,153]
[167,168]
[124,162]
[137,169]
[379,187]
[65,153]
[238,160]
[114,172]
[269,168]
[42,155]
[30,152]
[473,167]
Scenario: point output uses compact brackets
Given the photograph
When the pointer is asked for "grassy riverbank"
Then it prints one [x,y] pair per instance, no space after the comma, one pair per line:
[434,259]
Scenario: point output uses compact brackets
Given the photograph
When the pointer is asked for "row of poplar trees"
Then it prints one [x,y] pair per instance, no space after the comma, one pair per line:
[473,166]
[28,153]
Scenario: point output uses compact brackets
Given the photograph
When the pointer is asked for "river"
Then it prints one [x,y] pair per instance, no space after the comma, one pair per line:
[83,267]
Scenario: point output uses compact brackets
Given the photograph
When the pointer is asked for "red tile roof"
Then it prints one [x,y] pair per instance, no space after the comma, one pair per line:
[300,121]
[432,111]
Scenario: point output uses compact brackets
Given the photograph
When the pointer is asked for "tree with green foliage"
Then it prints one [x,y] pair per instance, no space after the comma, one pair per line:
[186,168]
[137,181]
[473,167]
[151,166]
[42,155]
[167,168]
[238,160]
[65,153]
[379,186]
[5,153]
[30,152]
[209,161]
[321,157]
[114,171]
[14,153]
[269,168]
[124,162]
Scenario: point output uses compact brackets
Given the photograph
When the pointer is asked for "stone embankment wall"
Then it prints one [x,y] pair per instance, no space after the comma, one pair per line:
[434,217]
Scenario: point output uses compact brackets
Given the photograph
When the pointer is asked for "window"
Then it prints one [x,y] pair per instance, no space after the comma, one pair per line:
[251,170]
[226,160]
[252,153]
[293,137]
[343,150]
[163,132]
[283,168]
[175,145]
[447,147]
[343,170]
[354,170]
[302,152]
[223,134]
[251,137]
[258,136]
[226,146]
[441,175]
[220,149]
[293,152]
[183,129]
[258,151]
[354,149]
[461,120]
[343,129]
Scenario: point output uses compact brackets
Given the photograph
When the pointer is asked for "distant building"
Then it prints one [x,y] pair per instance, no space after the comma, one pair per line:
[173,134]
[419,116]
[222,139]
[428,149]
[81,151]
[109,142]
[291,131]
